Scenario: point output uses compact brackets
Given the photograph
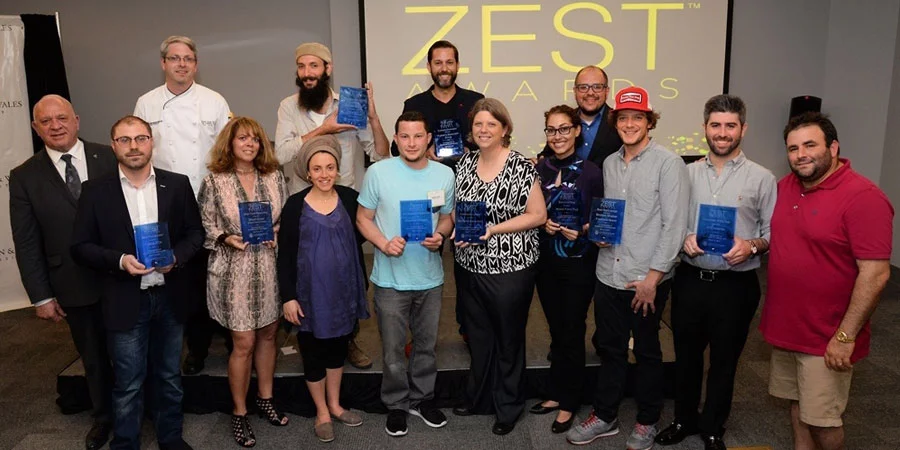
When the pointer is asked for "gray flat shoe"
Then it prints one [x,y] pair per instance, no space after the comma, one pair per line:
[349,418]
[325,431]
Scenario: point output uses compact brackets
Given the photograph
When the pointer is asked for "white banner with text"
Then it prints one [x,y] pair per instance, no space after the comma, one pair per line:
[15,147]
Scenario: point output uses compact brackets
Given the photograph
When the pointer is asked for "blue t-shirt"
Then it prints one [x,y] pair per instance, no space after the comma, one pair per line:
[385,185]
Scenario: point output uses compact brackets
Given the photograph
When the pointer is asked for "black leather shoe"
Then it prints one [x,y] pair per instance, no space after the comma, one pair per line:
[462,411]
[539,408]
[675,433]
[193,365]
[98,435]
[562,427]
[501,428]
[713,443]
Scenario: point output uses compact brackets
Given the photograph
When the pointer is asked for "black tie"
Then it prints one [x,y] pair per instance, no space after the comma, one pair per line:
[73,181]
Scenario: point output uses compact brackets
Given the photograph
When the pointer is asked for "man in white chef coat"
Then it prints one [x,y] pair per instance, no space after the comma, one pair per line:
[185,118]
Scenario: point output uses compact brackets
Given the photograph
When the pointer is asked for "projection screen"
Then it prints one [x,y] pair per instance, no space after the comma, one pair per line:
[526,54]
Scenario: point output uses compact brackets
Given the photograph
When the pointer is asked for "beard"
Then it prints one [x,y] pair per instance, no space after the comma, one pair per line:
[735,144]
[591,113]
[820,166]
[414,159]
[315,97]
[436,78]
[134,164]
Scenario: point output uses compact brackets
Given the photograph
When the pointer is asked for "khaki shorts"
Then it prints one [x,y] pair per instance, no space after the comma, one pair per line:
[821,392]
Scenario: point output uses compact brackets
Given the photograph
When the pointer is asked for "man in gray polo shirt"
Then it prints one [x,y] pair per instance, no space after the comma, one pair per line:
[715,292]
[634,276]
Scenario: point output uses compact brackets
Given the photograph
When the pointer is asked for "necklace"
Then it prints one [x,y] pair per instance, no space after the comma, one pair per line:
[244,172]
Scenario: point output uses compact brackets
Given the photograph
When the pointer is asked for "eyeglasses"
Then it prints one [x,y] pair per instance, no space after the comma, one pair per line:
[125,140]
[178,59]
[596,87]
[564,130]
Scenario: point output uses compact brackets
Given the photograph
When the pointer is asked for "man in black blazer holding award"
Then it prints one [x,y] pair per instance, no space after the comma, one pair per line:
[144,305]
[43,195]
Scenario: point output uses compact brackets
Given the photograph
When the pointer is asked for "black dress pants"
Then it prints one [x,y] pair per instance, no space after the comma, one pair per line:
[495,312]
[199,327]
[714,309]
[565,287]
[616,323]
[89,335]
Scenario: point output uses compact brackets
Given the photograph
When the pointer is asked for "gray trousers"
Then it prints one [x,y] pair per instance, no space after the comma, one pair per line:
[419,312]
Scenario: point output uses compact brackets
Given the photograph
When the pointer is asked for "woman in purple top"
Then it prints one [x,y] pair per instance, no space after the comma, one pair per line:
[321,277]
[565,280]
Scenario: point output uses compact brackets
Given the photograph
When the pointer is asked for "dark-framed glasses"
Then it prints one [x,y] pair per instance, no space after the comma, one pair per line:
[564,130]
[126,140]
[596,87]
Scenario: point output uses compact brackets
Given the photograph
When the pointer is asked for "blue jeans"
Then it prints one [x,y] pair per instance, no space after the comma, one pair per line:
[155,339]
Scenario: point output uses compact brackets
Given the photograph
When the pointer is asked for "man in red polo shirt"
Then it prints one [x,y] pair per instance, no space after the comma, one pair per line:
[829,261]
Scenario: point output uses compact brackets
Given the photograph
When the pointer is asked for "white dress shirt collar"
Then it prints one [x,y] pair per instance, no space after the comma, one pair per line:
[77,152]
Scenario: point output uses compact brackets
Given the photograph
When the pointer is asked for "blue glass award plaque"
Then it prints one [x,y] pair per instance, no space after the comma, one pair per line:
[565,208]
[448,141]
[256,222]
[353,107]
[715,228]
[607,217]
[152,245]
[415,220]
[471,221]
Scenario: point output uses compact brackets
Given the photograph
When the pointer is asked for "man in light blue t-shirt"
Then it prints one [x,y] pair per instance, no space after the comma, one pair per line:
[405,207]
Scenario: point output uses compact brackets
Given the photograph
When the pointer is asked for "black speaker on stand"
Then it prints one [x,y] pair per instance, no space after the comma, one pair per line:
[805,103]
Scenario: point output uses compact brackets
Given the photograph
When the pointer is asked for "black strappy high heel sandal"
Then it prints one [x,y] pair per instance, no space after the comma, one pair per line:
[267,411]
[243,434]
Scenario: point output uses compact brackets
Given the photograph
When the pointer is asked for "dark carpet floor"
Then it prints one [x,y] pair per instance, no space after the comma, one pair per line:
[33,352]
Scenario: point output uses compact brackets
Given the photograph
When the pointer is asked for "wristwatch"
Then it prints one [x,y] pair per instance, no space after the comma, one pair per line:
[753,248]
[844,338]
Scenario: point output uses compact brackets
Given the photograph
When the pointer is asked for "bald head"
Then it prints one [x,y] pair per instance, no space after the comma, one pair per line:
[55,122]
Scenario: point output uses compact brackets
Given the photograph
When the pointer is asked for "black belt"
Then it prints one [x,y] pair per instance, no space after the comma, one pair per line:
[711,275]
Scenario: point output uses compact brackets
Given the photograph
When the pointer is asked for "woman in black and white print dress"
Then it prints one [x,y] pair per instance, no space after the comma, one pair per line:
[497,275]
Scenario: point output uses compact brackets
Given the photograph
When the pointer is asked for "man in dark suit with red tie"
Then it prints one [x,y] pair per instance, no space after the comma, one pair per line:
[43,195]
[144,304]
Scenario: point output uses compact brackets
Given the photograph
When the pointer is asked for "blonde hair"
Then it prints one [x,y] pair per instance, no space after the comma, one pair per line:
[164,47]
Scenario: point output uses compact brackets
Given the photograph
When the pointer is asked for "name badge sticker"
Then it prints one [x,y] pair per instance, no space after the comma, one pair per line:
[437,198]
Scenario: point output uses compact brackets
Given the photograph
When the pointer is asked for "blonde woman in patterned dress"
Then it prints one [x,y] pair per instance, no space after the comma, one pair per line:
[242,292]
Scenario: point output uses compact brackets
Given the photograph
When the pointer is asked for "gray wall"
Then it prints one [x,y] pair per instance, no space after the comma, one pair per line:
[246,51]
[783,49]
[777,52]
[890,168]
